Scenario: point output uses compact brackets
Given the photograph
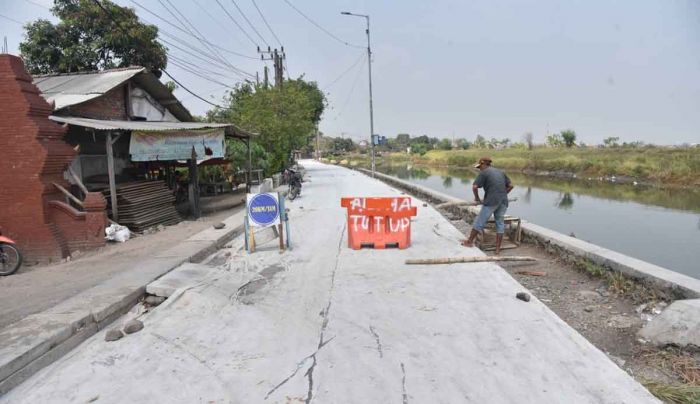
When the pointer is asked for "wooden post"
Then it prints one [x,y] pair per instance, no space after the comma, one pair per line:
[110,174]
[194,186]
[281,231]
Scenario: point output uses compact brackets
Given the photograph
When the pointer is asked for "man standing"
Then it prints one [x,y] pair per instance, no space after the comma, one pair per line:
[496,186]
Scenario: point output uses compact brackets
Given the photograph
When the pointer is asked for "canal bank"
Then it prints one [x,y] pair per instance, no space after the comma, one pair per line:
[673,284]
[660,226]
[329,324]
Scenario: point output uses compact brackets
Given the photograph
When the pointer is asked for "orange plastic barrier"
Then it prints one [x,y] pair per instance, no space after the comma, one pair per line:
[379,222]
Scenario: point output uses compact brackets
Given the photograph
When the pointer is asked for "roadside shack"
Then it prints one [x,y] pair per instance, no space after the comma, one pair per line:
[131,135]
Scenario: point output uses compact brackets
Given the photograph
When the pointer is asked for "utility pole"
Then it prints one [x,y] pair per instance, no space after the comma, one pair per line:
[277,58]
[369,64]
[318,149]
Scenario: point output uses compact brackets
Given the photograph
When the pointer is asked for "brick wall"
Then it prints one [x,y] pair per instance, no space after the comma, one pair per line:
[111,105]
[33,155]
[81,230]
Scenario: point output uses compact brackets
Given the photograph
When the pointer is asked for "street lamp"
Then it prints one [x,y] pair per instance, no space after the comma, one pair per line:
[369,64]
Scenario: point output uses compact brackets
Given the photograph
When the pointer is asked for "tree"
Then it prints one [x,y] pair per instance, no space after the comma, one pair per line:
[569,137]
[464,144]
[444,144]
[419,148]
[611,141]
[554,140]
[285,118]
[87,39]
[480,142]
[403,139]
[528,138]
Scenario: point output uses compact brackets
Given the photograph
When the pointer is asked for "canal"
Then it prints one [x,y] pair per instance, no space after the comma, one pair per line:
[660,226]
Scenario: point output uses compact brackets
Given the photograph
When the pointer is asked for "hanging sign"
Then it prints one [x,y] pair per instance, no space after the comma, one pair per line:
[263,209]
[176,145]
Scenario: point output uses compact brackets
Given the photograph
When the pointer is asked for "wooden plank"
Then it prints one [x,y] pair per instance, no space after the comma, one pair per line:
[457,260]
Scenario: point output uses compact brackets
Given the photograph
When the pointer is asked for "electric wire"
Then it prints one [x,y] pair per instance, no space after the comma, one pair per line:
[11,19]
[199,38]
[219,23]
[341,75]
[266,23]
[317,25]
[109,14]
[208,59]
[249,23]
[38,5]
[352,89]
[182,30]
[237,24]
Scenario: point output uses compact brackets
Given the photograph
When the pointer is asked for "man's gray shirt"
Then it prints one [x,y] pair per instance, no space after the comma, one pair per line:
[495,183]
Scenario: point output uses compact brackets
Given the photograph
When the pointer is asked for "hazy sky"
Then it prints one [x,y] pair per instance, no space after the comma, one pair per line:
[628,68]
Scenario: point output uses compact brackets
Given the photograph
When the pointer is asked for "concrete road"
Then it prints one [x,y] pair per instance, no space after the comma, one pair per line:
[327,324]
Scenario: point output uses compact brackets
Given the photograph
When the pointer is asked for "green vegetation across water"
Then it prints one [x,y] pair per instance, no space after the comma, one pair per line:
[659,165]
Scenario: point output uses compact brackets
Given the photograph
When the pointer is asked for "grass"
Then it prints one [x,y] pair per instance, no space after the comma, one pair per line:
[617,282]
[664,165]
[674,393]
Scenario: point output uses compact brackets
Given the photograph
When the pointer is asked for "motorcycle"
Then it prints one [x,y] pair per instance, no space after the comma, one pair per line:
[293,178]
[10,257]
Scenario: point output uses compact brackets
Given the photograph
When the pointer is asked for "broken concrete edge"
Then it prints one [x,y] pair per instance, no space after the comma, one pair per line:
[673,284]
[30,351]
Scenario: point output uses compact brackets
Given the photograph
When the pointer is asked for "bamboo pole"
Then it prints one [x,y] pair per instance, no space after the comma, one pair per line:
[464,203]
[69,195]
[457,260]
[78,181]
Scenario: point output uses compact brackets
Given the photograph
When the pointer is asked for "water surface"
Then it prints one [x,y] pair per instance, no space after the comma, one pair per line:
[656,225]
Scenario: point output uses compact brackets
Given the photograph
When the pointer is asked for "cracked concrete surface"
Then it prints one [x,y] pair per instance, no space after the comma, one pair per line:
[449,334]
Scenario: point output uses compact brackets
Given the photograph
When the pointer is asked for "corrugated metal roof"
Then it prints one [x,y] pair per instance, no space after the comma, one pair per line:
[148,126]
[74,88]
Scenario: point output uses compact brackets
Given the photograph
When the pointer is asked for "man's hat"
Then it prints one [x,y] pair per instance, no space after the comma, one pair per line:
[483,160]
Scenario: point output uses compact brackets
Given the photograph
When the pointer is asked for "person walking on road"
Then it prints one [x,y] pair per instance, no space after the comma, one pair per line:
[496,186]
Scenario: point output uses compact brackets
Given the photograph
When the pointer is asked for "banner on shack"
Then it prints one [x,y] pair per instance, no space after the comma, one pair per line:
[176,145]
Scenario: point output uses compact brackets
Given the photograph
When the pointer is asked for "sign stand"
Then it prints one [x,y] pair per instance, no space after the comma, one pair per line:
[266,210]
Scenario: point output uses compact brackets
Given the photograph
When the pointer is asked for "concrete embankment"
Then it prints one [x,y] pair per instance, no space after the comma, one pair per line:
[673,284]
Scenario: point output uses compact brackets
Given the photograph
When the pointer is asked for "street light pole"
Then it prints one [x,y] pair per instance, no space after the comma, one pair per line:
[369,64]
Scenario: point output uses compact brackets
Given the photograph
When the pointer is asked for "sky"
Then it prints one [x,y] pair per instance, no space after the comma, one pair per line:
[455,68]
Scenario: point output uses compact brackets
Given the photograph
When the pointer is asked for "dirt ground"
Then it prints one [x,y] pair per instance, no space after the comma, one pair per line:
[609,320]
[36,288]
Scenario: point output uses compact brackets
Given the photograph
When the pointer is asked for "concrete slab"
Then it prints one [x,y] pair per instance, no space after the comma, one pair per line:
[678,325]
[330,324]
[184,276]
[37,340]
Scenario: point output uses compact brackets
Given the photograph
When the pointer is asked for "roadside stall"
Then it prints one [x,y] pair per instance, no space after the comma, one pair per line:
[134,163]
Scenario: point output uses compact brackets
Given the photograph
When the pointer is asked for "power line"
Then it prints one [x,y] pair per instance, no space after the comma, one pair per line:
[11,19]
[352,89]
[236,22]
[38,5]
[199,38]
[189,91]
[362,56]
[249,23]
[219,23]
[266,24]
[327,32]
[208,59]
[182,30]
[109,14]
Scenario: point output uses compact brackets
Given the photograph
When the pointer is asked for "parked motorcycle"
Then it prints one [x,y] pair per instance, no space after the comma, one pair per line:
[294,179]
[10,257]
